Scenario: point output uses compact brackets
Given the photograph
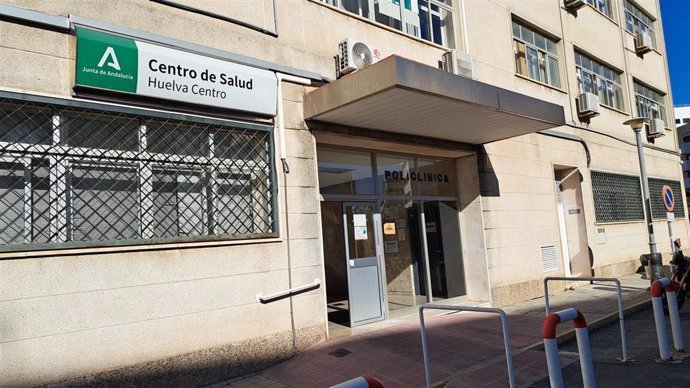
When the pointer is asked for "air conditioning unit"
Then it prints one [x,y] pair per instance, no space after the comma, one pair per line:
[643,42]
[573,5]
[588,105]
[355,55]
[458,63]
[656,128]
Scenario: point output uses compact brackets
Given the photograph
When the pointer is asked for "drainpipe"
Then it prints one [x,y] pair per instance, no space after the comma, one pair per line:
[280,119]
[280,129]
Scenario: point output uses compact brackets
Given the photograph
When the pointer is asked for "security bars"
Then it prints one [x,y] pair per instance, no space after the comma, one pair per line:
[74,173]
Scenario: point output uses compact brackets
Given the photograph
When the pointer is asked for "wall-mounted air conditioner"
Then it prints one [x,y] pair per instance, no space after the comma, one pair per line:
[355,55]
[588,105]
[643,42]
[656,128]
[573,5]
[458,63]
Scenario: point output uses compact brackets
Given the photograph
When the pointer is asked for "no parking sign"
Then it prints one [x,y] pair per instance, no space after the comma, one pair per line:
[667,198]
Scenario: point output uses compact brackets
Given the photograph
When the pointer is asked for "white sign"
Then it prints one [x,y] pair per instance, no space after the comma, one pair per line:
[178,75]
[670,217]
[361,233]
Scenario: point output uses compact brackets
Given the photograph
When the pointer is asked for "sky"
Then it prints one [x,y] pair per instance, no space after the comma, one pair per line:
[675,16]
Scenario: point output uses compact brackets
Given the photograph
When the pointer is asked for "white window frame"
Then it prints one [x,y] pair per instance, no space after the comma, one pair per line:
[639,25]
[597,4]
[653,103]
[543,55]
[610,84]
[409,18]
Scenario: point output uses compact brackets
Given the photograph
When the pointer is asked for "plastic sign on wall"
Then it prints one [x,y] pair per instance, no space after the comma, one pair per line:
[112,62]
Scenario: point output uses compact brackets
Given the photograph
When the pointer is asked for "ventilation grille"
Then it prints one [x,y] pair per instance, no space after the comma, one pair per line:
[549,259]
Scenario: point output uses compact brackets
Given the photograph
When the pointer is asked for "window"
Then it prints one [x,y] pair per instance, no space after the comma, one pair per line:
[685,121]
[431,20]
[82,174]
[617,198]
[637,21]
[536,56]
[650,103]
[594,77]
[658,209]
[603,6]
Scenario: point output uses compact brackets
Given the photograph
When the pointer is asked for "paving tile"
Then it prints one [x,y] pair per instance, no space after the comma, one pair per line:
[466,349]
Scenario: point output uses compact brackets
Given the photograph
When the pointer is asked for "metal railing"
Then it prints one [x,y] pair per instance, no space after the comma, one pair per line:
[619,294]
[293,291]
[504,325]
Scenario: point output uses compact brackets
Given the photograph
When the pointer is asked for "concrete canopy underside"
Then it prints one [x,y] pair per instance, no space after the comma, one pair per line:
[401,96]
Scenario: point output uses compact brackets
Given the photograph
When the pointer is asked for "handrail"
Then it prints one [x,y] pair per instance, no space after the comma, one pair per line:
[619,294]
[504,325]
[293,291]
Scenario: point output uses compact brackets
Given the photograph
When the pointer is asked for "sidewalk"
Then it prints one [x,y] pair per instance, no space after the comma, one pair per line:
[466,349]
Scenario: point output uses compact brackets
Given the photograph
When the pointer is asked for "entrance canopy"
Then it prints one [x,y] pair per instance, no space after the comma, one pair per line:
[401,96]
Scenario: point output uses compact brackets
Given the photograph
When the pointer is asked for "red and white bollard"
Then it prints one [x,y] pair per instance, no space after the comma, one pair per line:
[551,347]
[365,381]
[659,319]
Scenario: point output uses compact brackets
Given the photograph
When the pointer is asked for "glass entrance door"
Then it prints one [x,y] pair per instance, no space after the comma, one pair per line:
[402,249]
[442,231]
[362,225]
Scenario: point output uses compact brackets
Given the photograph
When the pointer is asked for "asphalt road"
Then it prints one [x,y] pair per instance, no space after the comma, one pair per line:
[643,348]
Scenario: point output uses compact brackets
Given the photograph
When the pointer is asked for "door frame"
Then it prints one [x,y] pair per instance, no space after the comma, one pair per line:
[380,262]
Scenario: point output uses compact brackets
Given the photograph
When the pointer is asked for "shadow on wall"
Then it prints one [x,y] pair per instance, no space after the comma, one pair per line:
[194,369]
[488,182]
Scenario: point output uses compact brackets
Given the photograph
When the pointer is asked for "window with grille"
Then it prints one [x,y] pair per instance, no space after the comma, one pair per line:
[650,103]
[658,209]
[80,174]
[536,56]
[617,198]
[597,78]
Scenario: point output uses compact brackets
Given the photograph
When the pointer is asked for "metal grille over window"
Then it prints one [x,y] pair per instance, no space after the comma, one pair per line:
[85,175]
[658,209]
[617,197]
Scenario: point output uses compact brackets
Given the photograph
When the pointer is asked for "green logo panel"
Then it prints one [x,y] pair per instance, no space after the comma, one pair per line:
[106,61]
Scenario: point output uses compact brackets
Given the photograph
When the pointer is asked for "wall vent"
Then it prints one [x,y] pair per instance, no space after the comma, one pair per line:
[549,259]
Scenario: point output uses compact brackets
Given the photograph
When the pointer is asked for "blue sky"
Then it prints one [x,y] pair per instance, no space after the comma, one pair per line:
[675,15]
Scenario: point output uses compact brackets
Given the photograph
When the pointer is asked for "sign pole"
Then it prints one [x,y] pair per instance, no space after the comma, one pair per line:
[668,199]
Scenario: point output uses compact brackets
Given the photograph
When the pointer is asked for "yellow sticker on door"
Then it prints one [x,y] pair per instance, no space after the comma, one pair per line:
[389,228]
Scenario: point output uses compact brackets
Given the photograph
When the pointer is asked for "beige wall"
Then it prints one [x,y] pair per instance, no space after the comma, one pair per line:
[73,314]
[70,315]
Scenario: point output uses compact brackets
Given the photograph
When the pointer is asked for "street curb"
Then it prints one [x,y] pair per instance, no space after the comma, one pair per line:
[603,321]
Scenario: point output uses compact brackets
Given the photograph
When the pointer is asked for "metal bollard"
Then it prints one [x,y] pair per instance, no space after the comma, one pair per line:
[551,347]
[365,381]
[660,321]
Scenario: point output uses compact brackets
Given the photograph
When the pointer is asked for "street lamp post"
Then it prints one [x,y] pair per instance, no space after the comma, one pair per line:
[636,124]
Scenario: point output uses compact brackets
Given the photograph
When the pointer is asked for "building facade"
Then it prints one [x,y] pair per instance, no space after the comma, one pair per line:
[192,190]
[682,115]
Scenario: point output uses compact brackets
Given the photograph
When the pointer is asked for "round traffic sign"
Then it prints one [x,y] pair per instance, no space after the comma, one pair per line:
[667,198]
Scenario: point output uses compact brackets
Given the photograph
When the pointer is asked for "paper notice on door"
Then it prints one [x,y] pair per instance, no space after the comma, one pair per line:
[359,219]
[389,228]
[361,233]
